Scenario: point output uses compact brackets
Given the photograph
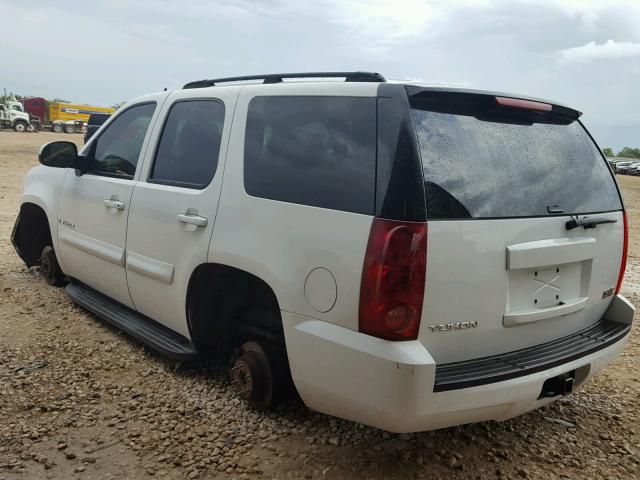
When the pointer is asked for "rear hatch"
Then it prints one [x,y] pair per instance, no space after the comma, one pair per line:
[502,179]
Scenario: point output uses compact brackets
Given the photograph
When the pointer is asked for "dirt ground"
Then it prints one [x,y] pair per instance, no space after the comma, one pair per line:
[80,400]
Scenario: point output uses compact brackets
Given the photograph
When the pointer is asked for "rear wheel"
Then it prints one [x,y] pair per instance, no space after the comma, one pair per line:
[57,128]
[69,129]
[258,374]
[20,127]
[50,268]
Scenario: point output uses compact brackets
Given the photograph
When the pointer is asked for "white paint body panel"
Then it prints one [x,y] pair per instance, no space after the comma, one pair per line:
[42,187]
[157,242]
[468,279]
[389,385]
[555,251]
[280,242]
[93,235]
[92,238]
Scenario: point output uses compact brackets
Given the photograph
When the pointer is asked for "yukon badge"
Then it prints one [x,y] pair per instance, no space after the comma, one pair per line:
[448,327]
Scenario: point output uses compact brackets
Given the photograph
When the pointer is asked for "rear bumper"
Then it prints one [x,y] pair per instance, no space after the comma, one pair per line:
[390,385]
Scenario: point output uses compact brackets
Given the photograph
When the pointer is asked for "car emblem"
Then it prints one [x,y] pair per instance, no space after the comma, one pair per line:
[449,327]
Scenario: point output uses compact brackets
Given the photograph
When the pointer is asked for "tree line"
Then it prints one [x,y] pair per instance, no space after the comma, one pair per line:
[625,152]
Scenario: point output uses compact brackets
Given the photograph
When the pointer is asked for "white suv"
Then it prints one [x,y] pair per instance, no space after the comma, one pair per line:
[410,257]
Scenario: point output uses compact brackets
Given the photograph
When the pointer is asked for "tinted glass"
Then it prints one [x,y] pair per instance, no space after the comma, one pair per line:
[97,119]
[117,149]
[480,161]
[318,151]
[188,151]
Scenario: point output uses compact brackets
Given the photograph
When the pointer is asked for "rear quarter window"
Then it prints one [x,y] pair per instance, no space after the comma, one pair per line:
[481,161]
[97,119]
[317,151]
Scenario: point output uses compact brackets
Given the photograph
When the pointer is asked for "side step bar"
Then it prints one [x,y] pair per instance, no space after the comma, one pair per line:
[156,336]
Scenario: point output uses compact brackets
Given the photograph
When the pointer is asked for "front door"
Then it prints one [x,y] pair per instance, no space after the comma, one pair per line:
[94,207]
[174,204]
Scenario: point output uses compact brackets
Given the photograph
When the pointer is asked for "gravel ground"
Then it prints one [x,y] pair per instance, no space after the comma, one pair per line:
[80,400]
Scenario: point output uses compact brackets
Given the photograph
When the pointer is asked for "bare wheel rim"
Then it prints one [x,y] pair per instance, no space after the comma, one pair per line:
[49,269]
[252,376]
[242,379]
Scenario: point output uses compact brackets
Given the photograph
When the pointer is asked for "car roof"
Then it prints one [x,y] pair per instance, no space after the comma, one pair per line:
[299,85]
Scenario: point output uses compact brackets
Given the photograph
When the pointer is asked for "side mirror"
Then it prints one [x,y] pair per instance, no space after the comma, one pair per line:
[59,155]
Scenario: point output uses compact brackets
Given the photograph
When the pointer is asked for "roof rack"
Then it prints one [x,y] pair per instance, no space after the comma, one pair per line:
[279,77]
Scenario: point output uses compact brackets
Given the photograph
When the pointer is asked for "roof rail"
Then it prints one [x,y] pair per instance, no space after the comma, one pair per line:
[279,77]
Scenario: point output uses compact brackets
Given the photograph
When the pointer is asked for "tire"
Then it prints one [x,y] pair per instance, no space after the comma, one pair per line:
[50,268]
[20,127]
[69,129]
[258,374]
[57,128]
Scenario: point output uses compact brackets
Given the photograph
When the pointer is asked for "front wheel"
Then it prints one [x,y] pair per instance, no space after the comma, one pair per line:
[50,268]
[57,128]
[20,127]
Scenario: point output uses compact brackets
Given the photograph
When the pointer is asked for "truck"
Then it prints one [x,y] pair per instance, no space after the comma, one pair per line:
[12,115]
[61,117]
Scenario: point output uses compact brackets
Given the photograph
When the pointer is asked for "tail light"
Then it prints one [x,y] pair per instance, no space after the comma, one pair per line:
[527,104]
[393,279]
[625,247]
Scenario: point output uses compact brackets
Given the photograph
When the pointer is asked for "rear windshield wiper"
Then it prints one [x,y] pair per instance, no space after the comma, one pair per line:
[587,222]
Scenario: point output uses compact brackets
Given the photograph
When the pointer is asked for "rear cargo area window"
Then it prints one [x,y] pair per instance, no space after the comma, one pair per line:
[318,151]
[481,160]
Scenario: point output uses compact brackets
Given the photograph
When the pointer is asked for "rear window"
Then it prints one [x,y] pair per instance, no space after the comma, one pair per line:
[189,147]
[484,161]
[97,119]
[318,151]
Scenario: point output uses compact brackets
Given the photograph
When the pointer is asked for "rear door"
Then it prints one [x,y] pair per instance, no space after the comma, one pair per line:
[502,179]
[173,207]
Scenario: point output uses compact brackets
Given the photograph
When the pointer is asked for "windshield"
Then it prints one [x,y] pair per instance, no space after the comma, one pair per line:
[484,161]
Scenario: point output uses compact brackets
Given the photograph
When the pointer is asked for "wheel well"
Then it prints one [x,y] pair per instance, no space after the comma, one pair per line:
[226,306]
[32,233]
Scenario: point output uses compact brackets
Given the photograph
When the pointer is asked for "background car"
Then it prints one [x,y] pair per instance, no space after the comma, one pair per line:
[95,122]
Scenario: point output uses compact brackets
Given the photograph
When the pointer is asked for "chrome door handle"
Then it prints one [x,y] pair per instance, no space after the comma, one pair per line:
[117,204]
[192,219]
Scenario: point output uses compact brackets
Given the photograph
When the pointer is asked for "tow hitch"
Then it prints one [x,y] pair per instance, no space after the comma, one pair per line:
[560,385]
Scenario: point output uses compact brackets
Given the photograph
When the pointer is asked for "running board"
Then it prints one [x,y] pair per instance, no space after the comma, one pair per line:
[156,336]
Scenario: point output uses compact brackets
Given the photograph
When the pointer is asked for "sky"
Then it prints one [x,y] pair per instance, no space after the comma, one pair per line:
[583,53]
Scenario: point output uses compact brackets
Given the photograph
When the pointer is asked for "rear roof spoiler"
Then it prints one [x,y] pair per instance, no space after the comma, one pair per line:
[557,108]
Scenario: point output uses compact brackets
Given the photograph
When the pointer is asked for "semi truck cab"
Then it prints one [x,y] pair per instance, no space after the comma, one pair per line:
[13,116]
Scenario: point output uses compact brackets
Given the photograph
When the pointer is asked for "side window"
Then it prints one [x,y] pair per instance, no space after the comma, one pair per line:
[115,152]
[189,147]
[318,151]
